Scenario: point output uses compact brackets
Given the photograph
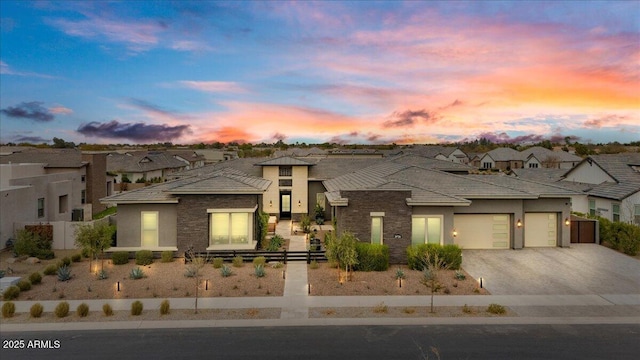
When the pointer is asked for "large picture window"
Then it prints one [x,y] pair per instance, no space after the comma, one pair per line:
[426,230]
[149,229]
[230,228]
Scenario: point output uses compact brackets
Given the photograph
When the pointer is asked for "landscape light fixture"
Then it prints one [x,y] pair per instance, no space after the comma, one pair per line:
[481,280]
[118,285]
[567,221]
[206,284]
[519,223]
[309,289]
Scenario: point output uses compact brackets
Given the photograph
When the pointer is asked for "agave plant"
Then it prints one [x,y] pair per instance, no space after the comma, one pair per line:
[399,273]
[259,271]
[64,273]
[102,275]
[136,273]
[225,271]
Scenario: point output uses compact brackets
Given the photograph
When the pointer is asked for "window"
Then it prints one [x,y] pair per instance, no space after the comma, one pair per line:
[83,196]
[487,165]
[636,214]
[285,182]
[149,229]
[615,211]
[533,165]
[285,171]
[376,230]
[229,228]
[63,204]
[83,178]
[41,207]
[320,200]
[592,208]
[426,230]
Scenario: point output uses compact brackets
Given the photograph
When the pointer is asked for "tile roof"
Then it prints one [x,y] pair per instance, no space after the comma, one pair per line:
[285,161]
[624,168]
[505,154]
[543,154]
[143,161]
[53,158]
[222,181]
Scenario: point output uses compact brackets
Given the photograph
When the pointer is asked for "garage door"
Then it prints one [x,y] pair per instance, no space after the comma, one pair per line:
[540,229]
[487,231]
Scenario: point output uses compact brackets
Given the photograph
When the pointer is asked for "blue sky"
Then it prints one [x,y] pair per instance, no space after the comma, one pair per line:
[349,72]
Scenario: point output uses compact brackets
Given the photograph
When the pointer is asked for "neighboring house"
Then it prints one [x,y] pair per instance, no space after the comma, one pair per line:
[399,201]
[613,186]
[312,152]
[189,157]
[539,157]
[447,153]
[52,191]
[144,165]
[212,156]
[89,167]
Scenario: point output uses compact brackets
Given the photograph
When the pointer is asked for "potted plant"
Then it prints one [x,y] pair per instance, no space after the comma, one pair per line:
[319,214]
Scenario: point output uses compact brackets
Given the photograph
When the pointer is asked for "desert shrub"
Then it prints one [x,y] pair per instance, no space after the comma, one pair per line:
[36,310]
[277,265]
[11,293]
[372,257]
[496,309]
[136,273]
[136,308]
[460,275]
[51,269]
[238,261]
[399,274]
[76,257]
[225,271]
[35,278]
[164,307]
[82,310]
[32,243]
[217,262]
[259,271]
[259,260]
[66,261]
[64,273]
[62,310]
[451,255]
[275,243]
[313,265]
[466,309]
[144,257]
[107,310]
[102,275]
[8,309]
[120,257]
[190,272]
[166,256]
[627,237]
[24,285]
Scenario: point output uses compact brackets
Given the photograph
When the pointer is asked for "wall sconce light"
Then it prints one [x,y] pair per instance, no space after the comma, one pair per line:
[270,203]
[455,233]
[299,203]
[118,286]
[519,223]
[567,221]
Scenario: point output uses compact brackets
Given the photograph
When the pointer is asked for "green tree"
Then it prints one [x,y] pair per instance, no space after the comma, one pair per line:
[342,251]
[94,239]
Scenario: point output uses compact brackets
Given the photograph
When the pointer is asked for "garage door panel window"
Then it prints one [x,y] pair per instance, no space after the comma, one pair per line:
[426,229]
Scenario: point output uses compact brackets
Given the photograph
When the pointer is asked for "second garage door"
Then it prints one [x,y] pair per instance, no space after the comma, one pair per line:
[486,231]
[540,229]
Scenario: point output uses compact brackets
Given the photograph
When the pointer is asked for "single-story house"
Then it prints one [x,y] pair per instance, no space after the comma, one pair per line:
[396,201]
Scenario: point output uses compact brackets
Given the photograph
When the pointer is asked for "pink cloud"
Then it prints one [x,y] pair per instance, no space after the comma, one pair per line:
[214,86]
[60,110]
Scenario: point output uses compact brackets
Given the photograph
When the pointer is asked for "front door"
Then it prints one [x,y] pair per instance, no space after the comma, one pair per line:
[285,205]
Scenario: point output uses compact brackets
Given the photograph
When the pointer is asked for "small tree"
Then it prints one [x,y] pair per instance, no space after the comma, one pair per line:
[94,240]
[194,266]
[434,263]
[342,250]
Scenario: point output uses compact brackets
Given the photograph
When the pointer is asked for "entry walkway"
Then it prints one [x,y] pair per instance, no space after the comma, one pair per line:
[294,304]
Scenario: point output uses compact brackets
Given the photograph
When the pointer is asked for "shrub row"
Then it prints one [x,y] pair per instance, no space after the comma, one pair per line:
[621,236]
[372,257]
[417,255]
[62,309]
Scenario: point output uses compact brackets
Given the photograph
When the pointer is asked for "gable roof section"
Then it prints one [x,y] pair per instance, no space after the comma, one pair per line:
[142,162]
[53,158]
[543,154]
[504,154]
[622,168]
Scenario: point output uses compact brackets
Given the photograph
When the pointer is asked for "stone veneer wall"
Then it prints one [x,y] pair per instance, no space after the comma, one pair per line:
[193,219]
[96,184]
[356,218]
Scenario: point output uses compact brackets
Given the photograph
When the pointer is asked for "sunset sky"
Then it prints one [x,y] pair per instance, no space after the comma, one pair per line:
[346,72]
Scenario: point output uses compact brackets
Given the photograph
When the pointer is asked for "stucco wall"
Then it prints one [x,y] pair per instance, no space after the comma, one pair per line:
[271,198]
[588,173]
[356,218]
[316,187]
[447,223]
[129,224]
[299,190]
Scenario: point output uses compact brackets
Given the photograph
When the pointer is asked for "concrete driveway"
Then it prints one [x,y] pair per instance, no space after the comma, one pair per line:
[580,270]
